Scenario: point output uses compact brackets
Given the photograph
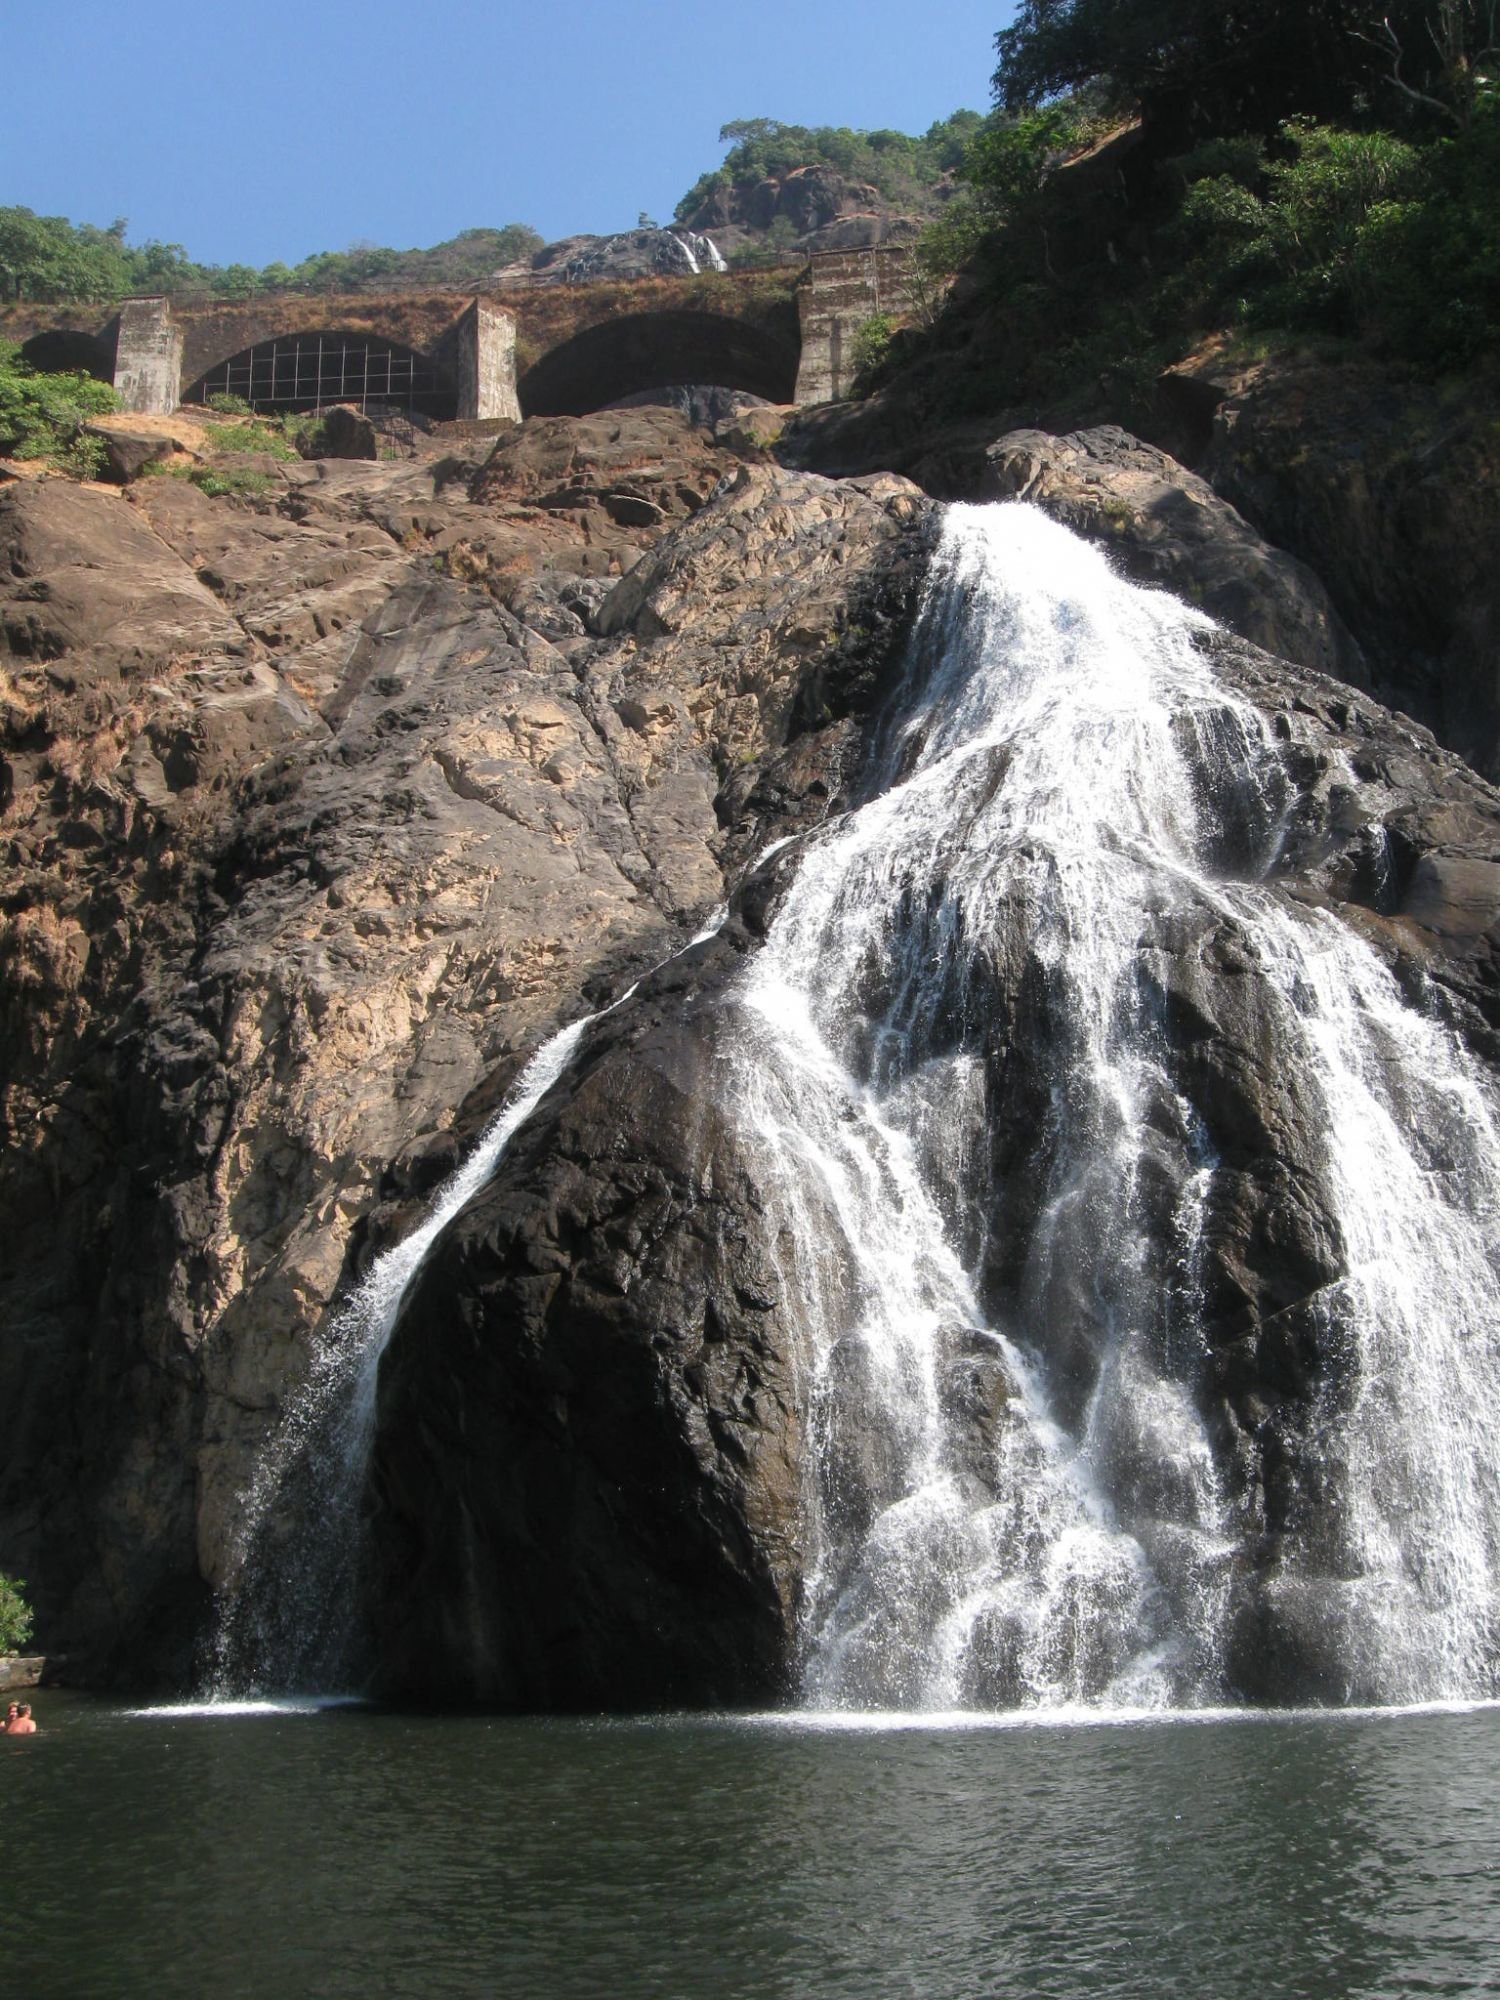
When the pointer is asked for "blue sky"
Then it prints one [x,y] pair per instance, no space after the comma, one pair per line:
[272,129]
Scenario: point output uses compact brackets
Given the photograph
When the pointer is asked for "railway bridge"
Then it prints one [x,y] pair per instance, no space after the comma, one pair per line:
[528,350]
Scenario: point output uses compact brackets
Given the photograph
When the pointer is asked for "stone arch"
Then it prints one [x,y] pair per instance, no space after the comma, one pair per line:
[65,350]
[310,369]
[654,350]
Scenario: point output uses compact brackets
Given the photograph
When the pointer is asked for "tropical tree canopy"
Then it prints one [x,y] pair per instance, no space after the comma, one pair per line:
[1245,65]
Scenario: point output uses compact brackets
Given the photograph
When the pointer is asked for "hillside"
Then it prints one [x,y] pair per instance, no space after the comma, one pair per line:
[781,190]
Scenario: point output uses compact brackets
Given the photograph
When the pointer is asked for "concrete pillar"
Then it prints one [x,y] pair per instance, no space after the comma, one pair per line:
[148,357]
[485,363]
[842,289]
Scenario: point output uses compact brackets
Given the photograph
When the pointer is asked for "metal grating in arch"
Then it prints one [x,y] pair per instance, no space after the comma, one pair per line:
[304,371]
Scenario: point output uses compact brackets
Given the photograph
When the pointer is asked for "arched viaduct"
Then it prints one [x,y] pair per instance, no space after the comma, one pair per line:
[543,350]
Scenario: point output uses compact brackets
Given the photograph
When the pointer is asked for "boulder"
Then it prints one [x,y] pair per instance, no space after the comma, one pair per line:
[344,432]
[127,453]
[1166,526]
[83,575]
[622,1530]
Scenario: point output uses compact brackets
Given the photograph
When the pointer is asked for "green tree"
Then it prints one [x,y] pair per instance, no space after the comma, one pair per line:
[1198,66]
[1427,266]
[44,257]
[15,1616]
[1442,57]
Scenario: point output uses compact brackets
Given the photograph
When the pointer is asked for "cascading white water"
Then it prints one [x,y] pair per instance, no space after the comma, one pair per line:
[996,1523]
[287,1618]
[701,251]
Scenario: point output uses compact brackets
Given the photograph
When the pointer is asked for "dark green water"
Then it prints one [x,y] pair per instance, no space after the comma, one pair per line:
[360,1854]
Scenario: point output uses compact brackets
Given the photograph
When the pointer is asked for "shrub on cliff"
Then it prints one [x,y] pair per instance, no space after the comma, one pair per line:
[1355,233]
[15,1616]
[43,416]
[1095,279]
[1287,240]
[1429,267]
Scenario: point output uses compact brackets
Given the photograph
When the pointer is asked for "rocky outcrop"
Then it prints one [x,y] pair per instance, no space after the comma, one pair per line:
[1382,486]
[804,199]
[623,1525]
[322,810]
[659,1499]
[807,209]
[1166,527]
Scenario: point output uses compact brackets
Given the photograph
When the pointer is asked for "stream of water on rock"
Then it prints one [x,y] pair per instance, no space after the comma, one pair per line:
[289,1616]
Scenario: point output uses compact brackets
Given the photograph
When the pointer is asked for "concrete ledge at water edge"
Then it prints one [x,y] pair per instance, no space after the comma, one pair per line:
[1166,526]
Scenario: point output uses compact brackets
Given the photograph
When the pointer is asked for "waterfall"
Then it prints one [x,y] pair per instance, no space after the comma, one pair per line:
[1009,1188]
[1021,1494]
[288,1617]
[701,252]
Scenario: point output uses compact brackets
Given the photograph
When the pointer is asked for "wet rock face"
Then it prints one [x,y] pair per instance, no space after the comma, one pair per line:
[633,253]
[320,814]
[587,1480]
[1391,491]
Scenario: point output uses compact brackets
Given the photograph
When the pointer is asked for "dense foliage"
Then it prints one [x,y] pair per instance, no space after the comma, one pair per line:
[15,1617]
[1203,66]
[1354,233]
[48,258]
[1155,169]
[900,167]
[44,416]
